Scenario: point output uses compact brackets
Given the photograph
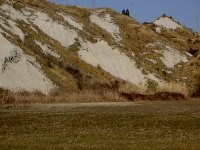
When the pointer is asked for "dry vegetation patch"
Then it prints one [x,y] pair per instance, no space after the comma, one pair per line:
[166,96]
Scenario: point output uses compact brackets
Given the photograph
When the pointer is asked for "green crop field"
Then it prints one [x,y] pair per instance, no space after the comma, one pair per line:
[138,125]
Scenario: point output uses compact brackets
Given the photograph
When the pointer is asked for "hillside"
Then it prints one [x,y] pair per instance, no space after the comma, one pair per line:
[46,47]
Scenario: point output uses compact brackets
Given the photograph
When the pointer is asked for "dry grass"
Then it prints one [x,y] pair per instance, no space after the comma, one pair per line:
[124,92]
[87,96]
[130,88]
[6,97]
[171,125]
[173,87]
[167,91]
[170,87]
[58,96]
[118,93]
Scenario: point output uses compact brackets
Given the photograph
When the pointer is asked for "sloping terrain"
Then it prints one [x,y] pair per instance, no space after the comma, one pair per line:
[167,22]
[47,46]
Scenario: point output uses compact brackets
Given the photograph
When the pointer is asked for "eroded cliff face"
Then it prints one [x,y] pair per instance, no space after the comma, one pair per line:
[46,46]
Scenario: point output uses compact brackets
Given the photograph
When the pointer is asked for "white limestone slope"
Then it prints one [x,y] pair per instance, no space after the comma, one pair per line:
[72,21]
[19,72]
[56,30]
[106,22]
[114,62]
[12,27]
[172,57]
[13,13]
[47,50]
[167,23]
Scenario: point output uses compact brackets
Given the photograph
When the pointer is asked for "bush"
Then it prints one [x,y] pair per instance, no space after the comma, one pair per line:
[146,23]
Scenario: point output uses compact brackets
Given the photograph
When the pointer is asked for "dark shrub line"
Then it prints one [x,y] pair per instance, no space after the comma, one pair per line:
[152,97]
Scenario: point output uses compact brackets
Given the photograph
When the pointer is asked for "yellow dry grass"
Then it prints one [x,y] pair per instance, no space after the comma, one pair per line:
[59,96]
[173,87]
[131,88]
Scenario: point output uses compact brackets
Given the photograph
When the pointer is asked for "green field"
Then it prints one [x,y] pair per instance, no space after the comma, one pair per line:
[138,125]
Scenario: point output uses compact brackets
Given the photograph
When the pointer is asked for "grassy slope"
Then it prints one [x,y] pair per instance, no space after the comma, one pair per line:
[149,125]
[192,68]
[57,72]
[135,37]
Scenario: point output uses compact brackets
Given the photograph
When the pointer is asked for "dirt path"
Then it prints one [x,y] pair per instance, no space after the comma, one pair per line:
[90,104]
[46,106]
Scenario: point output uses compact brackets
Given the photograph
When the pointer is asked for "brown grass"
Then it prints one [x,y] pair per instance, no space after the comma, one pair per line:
[88,95]
[167,91]
[58,96]
[91,95]
[130,88]
[138,126]
[173,87]
[5,97]
[166,96]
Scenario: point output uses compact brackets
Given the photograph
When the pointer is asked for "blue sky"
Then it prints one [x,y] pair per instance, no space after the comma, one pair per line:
[184,11]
